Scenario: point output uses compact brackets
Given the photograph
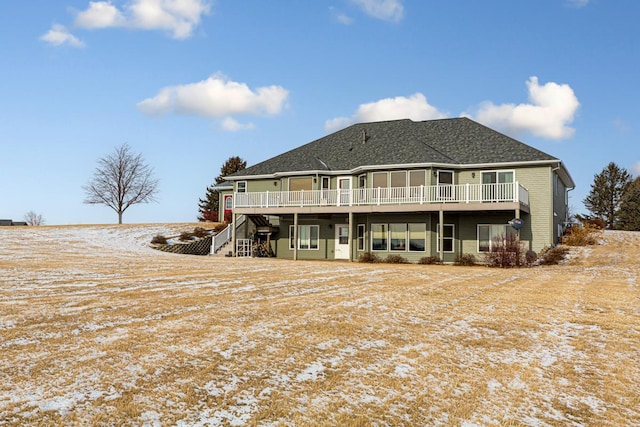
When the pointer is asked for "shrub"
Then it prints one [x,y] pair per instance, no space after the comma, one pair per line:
[552,256]
[506,251]
[396,259]
[184,236]
[428,260]
[465,259]
[200,232]
[369,257]
[582,235]
[219,227]
[596,223]
[530,257]
[159,239]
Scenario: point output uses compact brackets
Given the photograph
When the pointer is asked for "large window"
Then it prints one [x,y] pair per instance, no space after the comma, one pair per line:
[416,178]
[298,184]
[398,178]
[307,237]
[488,234]
[380,179]
[447,237]
[398,237]
[361,234]
[379,237]
[497,192]
[417,237]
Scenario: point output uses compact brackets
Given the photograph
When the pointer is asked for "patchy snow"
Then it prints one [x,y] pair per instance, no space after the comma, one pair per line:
[98,328]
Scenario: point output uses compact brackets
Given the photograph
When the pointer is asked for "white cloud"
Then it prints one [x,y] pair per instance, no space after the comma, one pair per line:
[59,35]
[386,10]
[578,3]
[340,17]
[415,107]
[635,169]
[217,97]
[179,17]
[100,14]
[551,109]
[232,125]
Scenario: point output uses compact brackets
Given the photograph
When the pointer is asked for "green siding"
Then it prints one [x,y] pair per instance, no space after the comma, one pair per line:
[539,223]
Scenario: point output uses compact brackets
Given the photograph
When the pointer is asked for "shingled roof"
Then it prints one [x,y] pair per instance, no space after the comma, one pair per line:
[459,141]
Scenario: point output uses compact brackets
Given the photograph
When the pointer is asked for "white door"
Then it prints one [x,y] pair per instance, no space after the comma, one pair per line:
[344,189]
[342,241]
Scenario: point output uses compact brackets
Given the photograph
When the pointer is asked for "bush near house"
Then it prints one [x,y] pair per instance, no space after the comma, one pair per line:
[369,257]
[396,259]
[465,260]
[506,251]
[159,239]
[588,233]
[552,256]
[429,260]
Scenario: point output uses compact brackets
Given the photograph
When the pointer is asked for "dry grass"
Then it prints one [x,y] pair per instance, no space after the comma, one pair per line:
[98,329]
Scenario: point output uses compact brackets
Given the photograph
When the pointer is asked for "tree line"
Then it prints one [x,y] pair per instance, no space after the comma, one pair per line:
[615,199]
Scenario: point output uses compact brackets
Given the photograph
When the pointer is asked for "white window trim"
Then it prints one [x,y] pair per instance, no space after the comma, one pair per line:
[386,232]
[386,180]
[505,232]
[362,177]
[406,239]
[496,171]
[453,238]
[238,187]
[424,237]
[298,237]
[362,227]
[453,176]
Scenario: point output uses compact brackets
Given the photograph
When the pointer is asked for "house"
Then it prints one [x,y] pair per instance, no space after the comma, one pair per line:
[9,223]
[415,189]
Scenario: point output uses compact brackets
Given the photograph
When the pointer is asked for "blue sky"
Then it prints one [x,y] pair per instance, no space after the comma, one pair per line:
[189,83]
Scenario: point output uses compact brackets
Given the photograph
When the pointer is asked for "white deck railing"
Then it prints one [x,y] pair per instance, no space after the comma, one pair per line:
[464,193]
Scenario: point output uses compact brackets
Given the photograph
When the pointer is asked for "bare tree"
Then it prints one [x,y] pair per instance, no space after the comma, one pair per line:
[120,180]
[32,218]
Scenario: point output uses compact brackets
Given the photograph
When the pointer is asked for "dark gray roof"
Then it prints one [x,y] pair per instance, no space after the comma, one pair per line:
[459,141]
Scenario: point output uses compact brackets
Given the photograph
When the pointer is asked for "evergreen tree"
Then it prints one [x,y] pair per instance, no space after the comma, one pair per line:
[208,207]
[608,187]
[629,215]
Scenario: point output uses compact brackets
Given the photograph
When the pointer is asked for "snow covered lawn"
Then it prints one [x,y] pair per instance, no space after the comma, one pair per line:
[98,329]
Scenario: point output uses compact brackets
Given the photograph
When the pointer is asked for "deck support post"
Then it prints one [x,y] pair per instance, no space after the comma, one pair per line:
[233,234]
[350,236]
[295,236]
[441,233]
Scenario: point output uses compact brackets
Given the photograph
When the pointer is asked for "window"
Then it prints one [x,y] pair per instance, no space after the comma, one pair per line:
[361,234]
[298,184]
[497,192]
[445,177]
[307,237]
[378,237]
[398,237]
[445,184]
[488,233]
[325,182]
[398,178]
[379,179]
[499,177]
[362,181]
[242,186]
[228,202]
[417,237]
[447,237]
[416,178]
